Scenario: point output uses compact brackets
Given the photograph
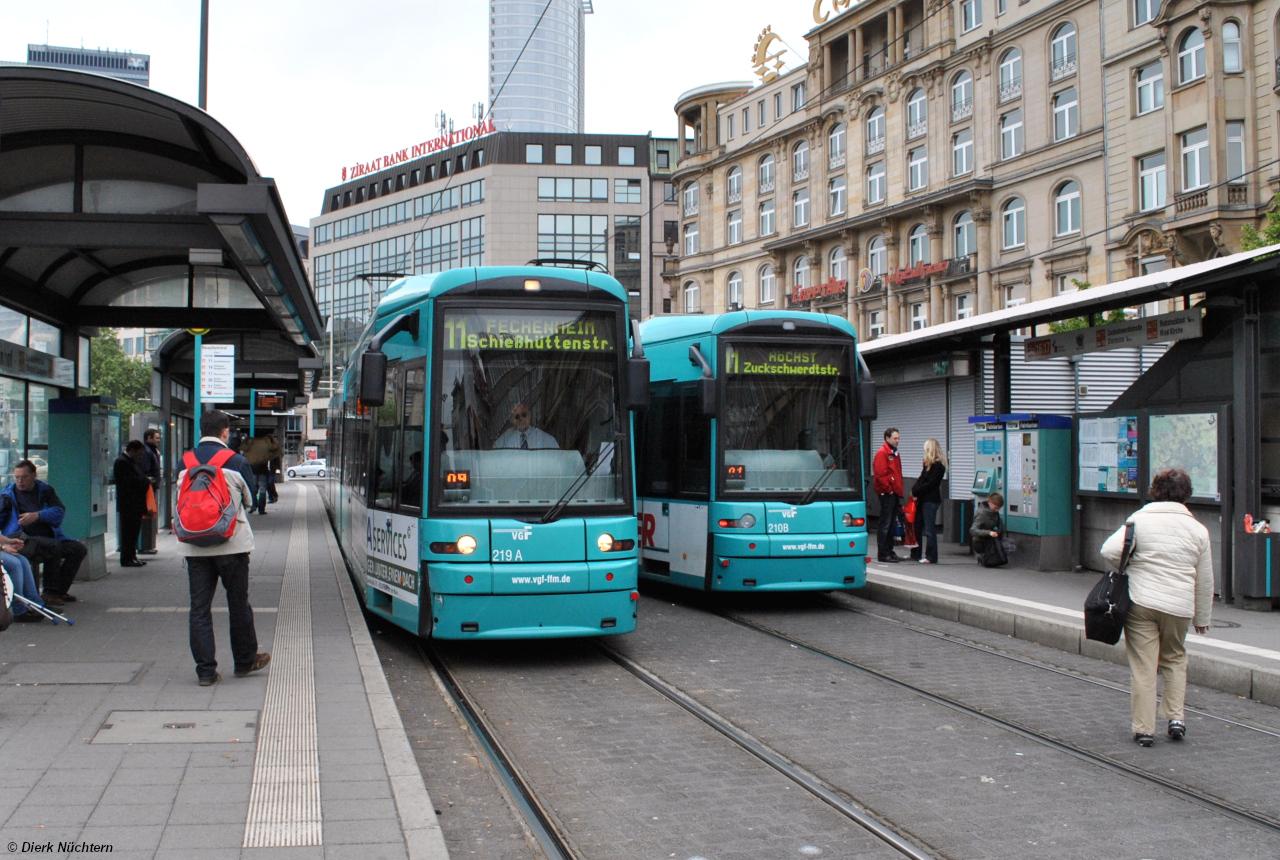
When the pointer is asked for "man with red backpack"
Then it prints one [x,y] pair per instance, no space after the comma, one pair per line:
[214,535]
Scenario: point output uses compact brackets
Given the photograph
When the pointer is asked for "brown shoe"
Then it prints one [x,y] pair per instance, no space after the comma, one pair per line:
[51,599]
[209,682]
[259,662]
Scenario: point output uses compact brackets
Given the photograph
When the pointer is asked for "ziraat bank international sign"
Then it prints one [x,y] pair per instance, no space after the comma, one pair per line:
[418,150]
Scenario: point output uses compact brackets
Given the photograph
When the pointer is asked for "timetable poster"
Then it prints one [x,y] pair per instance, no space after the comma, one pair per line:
[1108,455]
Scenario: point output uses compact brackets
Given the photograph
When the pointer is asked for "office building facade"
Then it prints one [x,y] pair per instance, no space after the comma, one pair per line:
[543,88]
[125,65]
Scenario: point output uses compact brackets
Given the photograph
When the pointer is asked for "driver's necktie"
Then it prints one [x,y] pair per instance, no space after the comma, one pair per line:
[524,441]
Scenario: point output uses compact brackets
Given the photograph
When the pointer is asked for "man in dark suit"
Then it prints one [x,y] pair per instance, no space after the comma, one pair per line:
[151,471]
[131,500]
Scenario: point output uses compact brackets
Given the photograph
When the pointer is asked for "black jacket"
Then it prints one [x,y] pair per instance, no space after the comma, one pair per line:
[928,487]
[150,465]
[131,486]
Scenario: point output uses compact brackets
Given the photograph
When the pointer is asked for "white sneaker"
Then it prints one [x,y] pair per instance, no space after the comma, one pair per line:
[925,561]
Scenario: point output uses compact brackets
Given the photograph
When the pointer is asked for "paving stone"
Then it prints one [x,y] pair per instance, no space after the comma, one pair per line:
[145,838]
[366,830]
[131,814]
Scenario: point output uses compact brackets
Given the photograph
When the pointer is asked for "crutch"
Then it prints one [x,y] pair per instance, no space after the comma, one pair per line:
[44,610]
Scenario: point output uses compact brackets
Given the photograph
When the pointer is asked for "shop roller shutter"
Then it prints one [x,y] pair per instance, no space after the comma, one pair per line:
[960,406]
[919,411]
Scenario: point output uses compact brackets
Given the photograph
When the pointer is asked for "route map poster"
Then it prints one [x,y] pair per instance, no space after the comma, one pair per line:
[1188,441]
[1108,455]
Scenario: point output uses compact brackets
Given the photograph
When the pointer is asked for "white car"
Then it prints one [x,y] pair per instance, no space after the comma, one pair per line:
[309,469]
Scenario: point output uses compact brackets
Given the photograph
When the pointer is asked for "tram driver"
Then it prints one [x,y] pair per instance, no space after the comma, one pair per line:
[522,434]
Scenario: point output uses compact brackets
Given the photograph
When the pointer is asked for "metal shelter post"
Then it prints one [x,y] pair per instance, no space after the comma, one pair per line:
[196,394]
[1002,370]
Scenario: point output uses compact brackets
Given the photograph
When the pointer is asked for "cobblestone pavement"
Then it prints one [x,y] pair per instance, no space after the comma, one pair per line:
[962,786]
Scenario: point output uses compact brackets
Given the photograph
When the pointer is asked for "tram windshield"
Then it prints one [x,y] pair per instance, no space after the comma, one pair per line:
[787,419]
[529,410]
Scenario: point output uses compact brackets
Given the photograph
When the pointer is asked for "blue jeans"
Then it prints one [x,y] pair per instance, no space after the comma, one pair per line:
[203,573]
[260,493]
[24,581]
[884,527]
[928,517]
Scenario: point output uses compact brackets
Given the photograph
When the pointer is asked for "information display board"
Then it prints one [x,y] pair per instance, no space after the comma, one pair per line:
[1187,441]
[1108,454]
[218,373]
[270,401]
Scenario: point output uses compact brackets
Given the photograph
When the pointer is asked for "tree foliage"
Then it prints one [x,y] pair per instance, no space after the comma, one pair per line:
[1076,323]
[1251,239]
[117,375]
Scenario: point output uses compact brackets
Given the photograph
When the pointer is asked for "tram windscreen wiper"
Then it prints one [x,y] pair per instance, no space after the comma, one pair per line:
[555,510]
[826,473]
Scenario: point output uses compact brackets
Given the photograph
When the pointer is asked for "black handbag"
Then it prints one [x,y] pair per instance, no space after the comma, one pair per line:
[1107,605]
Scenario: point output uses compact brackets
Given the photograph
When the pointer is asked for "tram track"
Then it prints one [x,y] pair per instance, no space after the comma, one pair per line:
[1265,823]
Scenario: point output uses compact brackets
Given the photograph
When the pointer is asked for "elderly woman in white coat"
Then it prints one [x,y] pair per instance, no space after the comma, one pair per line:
[1171,587]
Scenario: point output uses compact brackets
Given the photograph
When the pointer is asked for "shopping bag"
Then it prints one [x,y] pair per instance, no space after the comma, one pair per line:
[1107,605]
[151,511]
[909,535]
[909,510]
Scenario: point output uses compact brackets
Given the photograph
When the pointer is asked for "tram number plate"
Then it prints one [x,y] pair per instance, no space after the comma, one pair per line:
[460,480]
[735,473]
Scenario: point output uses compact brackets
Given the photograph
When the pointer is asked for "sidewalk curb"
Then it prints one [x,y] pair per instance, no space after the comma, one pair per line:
[1217,673]
[423,837]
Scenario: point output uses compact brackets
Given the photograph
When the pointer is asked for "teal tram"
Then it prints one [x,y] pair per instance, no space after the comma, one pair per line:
[481,480]
[750,453]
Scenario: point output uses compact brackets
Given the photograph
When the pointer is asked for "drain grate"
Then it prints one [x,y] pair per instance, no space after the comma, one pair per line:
[178,727]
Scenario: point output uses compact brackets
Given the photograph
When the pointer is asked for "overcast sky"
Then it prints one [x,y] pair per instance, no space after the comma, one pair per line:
[308,87]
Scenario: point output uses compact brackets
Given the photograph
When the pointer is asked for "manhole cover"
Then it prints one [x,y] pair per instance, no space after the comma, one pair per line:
[178,727]
[72,673]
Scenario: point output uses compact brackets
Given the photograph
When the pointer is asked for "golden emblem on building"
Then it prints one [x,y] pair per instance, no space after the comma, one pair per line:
[837,6]
[768,65]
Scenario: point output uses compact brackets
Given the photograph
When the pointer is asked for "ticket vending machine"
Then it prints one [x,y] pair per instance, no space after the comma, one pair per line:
[1027,458]
[84,437]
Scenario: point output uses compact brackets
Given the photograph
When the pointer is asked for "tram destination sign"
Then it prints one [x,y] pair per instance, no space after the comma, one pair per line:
[784,360]
[1142,331]
[528,330]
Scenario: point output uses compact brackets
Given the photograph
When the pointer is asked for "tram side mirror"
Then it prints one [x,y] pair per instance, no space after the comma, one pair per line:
[637,384]
[707,395]
[373,378]
[867,401]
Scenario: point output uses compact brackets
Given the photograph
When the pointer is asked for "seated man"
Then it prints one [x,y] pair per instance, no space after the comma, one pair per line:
[31,511]
[986,532]
[522,434]
[24,582]
[411,489]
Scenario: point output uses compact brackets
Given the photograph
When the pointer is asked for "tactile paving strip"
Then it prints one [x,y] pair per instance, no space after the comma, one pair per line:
[284,802]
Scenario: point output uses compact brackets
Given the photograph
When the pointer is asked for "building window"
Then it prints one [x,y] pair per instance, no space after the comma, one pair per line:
[919,316]
[690,239]
[1149,265]
[1014,219]
[768,285]
[627,156]
[1191,56]
[735,227]
[564,153]
[875,131]
[875,183]
[664,158]
[766,218]
[918,245]
[574,237]
[1235,152]
[746,119]
[1144,11]
[917,114]
[964,306]
[765,175]
[735,185]
[1195,159]
[797,97]
[800,208]
[1010,74]
[593,154]
[1232,55]
[836,196]
[691,300]
[839,264]
[573,188]
[801,273]
[1011,134]
[800,161]
[626,191]
[918,168]
[1066,209]
[733,291]
[966,238]
[962,152]
[875,324]
[671,233]
[1150,87]
[668,192]
[728,124]
[777,106]
[970,15]
[1063,52]
[1066,114]
[877,258]
[319,419]
[962,97]
[761,119]
[533,153]
[835,146]
[691,198]
[1151,182]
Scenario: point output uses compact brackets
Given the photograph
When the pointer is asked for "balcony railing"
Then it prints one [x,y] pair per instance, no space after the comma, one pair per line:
[836,160]
[735,196]
[1011,90]
[690,209]
[961,110]
[875,145]
[1237,195]
[1276,84]
[1193,201]
[766,185]
[1062,68]
[800,174]
[917,129]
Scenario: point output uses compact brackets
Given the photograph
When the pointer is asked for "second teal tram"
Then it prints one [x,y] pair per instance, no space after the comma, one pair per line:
[481,477]
[750,453]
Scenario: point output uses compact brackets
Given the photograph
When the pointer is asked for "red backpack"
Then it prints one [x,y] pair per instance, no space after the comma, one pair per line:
[206,511]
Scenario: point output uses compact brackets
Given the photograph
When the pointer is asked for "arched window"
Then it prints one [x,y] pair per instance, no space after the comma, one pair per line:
[1191,56]
[1010,74]
[1062,52]
[1013,216]
[1066,209]
[835,145]
[918,245]
[917,114]
[1232,55]
[839,264]
[877,259]
[690,198]
[875,130]
[766,174]
[691,301]
[962,96]
[966,239]
[1066,114]
[800,160]
[800,273]
[733,291]
[734,184]
[768,284]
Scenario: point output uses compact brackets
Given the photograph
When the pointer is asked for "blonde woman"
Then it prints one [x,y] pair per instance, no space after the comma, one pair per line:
[928,495]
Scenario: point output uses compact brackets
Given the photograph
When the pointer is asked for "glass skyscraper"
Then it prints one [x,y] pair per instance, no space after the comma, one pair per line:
[545,93]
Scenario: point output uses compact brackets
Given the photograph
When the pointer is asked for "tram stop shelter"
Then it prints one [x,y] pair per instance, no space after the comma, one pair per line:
[123,207]
[1231,371]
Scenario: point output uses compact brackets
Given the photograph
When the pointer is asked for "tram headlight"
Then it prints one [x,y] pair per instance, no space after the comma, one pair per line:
[605,542]
[466,544]
[746,521]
